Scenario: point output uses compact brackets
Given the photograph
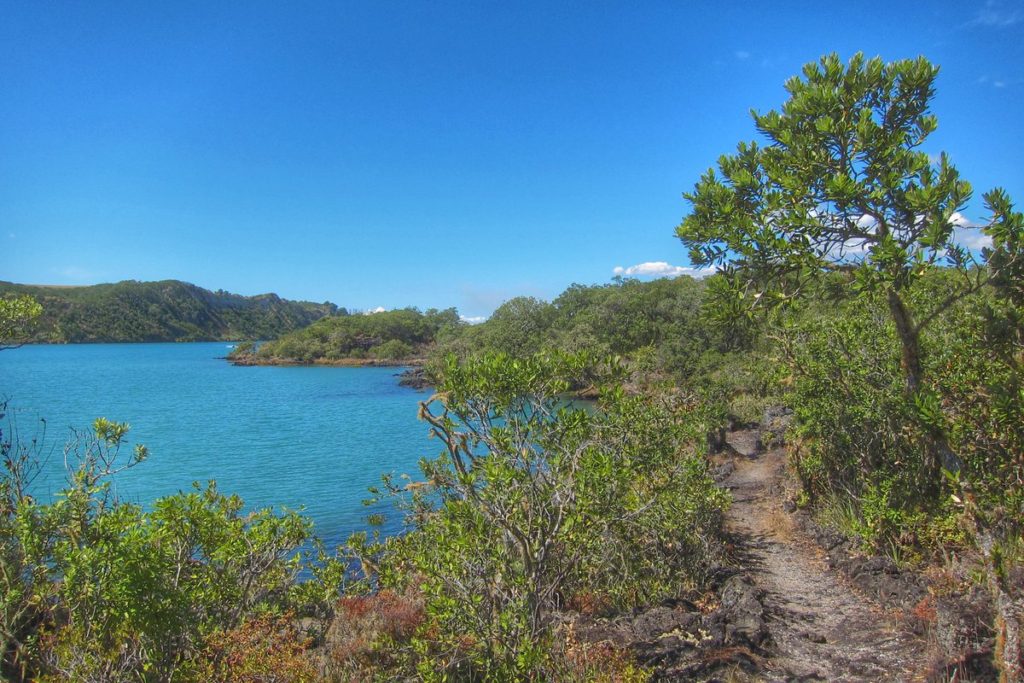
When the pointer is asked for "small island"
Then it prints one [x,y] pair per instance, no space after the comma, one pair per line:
[388,338]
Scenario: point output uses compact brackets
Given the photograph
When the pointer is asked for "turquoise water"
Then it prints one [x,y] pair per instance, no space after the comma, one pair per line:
[312,437]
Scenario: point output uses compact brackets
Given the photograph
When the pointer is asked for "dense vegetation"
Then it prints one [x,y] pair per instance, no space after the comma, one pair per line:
[95,589]
[905,349]
[662,332]
[388,335]
[169,310]
[844,294]
[618,318]
[535,507]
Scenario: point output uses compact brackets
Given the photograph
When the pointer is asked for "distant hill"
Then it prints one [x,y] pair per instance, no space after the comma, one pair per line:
[169,310]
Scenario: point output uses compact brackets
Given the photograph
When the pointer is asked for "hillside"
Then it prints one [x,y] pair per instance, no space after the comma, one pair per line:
[168,310]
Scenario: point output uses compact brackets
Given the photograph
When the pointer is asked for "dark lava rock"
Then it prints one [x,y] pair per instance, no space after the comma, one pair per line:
[603,631]
[831,540]
[708,664]
[414,378]
[743,609]
[722,472]
[876,575]
[658,621]
[774,423]
[682,644]
[663,652]
[880,577]
[963,624]
[719,574]
[716,440]
[973,666]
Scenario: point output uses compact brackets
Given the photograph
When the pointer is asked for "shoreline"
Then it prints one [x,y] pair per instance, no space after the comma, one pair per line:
[248,361]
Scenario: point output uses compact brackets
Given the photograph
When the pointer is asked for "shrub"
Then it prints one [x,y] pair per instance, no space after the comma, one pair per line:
[371,633]
[534,502]
[97,589]
[266,649]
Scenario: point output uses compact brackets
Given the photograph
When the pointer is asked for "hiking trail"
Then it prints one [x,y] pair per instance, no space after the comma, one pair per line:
[821,626]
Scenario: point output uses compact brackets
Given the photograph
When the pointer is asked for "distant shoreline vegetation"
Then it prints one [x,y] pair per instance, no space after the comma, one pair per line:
[164,311]
[391,338]
[656,327]
[251,358]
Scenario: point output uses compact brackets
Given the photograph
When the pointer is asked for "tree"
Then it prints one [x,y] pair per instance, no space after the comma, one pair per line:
[17,315]
[519,327]
[843,185]
[536,503]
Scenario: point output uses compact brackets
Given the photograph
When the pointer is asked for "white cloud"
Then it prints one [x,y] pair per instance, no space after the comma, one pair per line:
[379,309]
[865,221]
[961,221]
[992,15]
[969,234]
[661,269]
[975,240]
[742,55]
[993,81]
[473,319]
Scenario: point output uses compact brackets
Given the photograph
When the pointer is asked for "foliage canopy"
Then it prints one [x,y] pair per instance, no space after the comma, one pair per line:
[843,185]
[18,314]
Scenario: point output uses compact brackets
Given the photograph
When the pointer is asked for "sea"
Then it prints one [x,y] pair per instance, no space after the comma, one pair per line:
[312,439]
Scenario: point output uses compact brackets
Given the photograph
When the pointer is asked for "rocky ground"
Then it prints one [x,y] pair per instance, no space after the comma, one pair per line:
[799,603]
[822,626]
[415,378]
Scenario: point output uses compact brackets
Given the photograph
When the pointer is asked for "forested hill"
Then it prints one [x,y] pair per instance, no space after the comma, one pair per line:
[169,310]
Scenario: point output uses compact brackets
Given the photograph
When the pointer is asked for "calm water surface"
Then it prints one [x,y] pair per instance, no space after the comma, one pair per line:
[311,437]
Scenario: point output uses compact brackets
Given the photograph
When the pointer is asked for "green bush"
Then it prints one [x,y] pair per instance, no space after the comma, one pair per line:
[536,504]
[862,438]
[97,589]
[851,411]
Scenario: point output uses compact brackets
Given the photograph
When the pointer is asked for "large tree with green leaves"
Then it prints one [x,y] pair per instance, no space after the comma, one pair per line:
[842,183]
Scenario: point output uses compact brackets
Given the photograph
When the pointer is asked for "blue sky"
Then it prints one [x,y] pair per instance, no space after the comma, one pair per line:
[427,153]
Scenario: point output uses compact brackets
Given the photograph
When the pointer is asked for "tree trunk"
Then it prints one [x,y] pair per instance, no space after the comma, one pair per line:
[910,343]
[937,451]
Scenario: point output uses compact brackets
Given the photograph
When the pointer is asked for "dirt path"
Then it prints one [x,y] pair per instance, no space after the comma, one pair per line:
[821,627]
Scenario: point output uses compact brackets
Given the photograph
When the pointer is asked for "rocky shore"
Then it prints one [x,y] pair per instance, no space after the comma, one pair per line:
[252,360]
[415,378]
